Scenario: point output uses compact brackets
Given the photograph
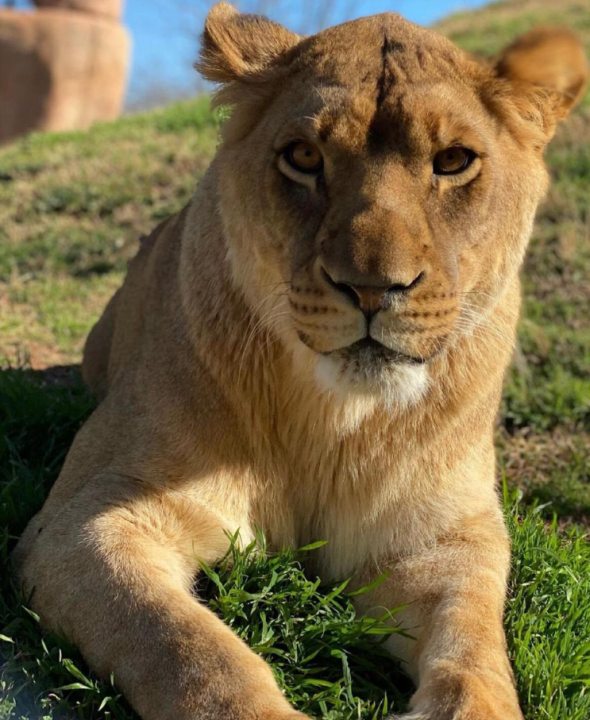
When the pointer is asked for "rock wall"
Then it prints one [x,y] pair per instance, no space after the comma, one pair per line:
[62,67]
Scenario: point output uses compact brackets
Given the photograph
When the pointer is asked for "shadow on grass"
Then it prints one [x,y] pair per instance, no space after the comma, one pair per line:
[40,412]
[568,501]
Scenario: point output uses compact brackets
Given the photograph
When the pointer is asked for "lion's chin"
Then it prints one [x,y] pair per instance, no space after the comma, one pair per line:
[396,384]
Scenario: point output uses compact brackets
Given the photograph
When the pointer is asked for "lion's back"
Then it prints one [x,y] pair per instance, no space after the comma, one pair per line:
[97,349]
[122,317]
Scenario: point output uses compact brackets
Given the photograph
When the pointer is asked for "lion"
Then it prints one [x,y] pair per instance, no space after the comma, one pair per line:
[314,345]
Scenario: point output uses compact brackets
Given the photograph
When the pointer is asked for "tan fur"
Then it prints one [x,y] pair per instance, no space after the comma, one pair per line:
[229,397]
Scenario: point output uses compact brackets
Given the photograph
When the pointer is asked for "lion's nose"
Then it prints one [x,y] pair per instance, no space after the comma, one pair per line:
[370,299]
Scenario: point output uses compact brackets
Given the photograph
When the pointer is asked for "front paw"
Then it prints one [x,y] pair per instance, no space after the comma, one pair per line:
[459,714]
[464,696]
[467,712]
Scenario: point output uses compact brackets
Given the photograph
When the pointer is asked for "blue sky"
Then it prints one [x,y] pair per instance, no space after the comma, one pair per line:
[165,34]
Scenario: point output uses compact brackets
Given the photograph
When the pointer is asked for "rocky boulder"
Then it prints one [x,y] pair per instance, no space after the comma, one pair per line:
[107,8]
[60,69]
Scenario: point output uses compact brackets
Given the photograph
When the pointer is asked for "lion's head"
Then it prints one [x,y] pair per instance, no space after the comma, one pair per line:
[377,185]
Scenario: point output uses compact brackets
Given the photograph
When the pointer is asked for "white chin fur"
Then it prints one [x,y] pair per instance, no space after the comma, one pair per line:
[401,386]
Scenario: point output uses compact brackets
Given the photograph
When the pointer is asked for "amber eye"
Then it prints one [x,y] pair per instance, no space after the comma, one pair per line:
[453,160]
[304,157]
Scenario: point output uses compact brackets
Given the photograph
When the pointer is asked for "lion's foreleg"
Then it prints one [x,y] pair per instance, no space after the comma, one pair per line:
[456,593]
[116,577]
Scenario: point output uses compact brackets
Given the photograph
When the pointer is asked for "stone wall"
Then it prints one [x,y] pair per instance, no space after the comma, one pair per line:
[62,66]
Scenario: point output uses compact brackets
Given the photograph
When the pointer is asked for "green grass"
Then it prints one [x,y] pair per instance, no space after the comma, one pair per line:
[328,661]
[71,209]
[548,617]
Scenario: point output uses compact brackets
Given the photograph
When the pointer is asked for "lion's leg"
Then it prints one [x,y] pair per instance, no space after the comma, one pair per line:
[116,578]
[456,594]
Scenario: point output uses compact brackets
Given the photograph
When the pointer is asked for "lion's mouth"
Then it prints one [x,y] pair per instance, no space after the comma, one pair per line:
[371,350]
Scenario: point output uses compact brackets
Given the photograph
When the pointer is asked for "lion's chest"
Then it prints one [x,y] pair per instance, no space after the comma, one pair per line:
[368,509]
[371,485]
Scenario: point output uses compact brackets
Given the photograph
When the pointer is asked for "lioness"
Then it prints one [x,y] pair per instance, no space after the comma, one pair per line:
[315,345]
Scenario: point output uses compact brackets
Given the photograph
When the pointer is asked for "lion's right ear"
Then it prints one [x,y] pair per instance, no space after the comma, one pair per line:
[239,47]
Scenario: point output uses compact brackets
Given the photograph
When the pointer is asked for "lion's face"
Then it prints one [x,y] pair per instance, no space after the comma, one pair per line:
[378,197]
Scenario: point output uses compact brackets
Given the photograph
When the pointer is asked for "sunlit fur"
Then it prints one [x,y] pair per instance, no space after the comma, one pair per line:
[234,394]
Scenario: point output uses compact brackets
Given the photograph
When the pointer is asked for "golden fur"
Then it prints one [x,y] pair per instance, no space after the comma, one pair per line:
[236,388]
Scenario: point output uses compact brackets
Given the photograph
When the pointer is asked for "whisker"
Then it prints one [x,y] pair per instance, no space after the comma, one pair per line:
[478,332]
[259,324]
[479,292]
[474,312]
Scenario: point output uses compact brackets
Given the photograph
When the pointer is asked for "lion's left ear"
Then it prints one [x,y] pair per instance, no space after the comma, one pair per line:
[240,47]
[547,72]
[550,58]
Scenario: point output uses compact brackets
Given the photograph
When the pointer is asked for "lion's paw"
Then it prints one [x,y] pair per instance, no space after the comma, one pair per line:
[459,715]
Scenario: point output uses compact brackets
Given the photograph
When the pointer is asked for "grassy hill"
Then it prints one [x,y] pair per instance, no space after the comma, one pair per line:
[72,207]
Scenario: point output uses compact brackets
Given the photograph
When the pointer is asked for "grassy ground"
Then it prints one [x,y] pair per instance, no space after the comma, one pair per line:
[71,209]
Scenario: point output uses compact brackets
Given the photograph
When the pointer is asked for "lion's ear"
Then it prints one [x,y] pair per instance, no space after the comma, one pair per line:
[549,58]
[238,47]
[536,81]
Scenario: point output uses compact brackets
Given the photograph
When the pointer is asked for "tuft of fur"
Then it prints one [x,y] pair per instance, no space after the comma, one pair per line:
[240,47]
[399,389]
[244,54]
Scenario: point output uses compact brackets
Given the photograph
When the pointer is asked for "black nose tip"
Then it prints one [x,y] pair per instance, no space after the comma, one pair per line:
[370,299]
